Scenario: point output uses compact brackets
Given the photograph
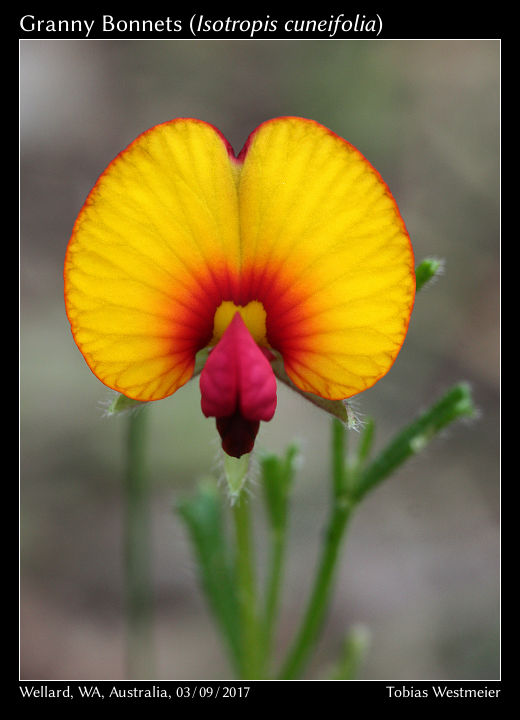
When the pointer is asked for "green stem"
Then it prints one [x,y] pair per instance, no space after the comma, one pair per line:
[245,578]
[272,602]
[454,404]
[137,552]
[277,478]
[326,571]
[320,596]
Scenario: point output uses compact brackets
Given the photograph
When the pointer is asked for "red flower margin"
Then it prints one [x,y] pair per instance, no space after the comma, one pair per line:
[294,249]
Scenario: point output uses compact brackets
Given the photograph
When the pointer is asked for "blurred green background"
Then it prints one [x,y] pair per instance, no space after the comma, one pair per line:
[421,565]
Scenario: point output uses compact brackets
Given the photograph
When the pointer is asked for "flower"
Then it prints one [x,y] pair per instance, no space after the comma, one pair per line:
[292,252]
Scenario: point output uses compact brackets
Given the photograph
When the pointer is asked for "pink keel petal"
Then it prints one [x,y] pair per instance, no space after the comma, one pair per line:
[238,376]
[238,387]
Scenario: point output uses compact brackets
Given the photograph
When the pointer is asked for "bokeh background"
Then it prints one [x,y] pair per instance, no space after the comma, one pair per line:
[421,565]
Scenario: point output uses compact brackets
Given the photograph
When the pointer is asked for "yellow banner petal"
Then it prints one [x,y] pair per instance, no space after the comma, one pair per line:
[153,253]
[326,251]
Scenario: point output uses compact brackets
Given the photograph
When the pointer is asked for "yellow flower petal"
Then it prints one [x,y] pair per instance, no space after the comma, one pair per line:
[300,225]
[152,254]
[326,252]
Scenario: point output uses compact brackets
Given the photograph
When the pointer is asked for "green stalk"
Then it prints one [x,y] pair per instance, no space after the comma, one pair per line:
[319,600]
[454,404]
[277,478]
[139,663]
[272,602]
[246,588]
[326,571]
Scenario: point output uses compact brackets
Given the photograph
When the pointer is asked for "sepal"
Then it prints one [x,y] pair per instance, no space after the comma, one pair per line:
[121,404]
[338,408]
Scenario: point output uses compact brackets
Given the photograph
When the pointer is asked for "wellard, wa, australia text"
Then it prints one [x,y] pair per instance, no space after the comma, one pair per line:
[151,691]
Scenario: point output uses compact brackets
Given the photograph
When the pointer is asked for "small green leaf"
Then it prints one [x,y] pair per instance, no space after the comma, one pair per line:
[353,653]
[277,477]
[426,271]
[121,404]
[202,515]
[340,475]
[235,470]
[366,440]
